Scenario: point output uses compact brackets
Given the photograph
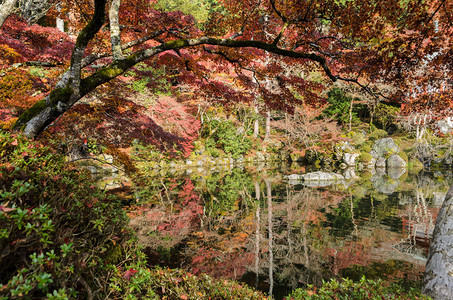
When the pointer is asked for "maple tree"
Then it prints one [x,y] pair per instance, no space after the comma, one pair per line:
[361,42]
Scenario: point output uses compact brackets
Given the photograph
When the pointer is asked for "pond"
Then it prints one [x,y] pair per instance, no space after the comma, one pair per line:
[251,224]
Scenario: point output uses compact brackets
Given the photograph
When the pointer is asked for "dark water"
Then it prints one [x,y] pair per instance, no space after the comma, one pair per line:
[252,225]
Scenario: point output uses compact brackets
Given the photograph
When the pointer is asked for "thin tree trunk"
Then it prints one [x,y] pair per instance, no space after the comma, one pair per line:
[271,236]
[438,281]
[258,223]
[350,114]
[256,125]
[115,33]
[268,125]
[6,9]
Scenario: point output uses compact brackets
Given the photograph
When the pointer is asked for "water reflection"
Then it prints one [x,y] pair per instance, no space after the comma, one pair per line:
[257,227]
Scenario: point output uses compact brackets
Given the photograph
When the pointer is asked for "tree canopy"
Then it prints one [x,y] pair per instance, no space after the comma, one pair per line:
[404,43]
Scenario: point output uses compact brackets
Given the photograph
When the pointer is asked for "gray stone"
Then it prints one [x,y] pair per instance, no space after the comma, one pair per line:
[345,146]
[395,161]
[108,158]
[445,125]
[384,148]
[293,177]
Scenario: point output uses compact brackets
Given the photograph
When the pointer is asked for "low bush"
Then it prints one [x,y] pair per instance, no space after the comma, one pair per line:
[350,290]
[57,230]
[377,134]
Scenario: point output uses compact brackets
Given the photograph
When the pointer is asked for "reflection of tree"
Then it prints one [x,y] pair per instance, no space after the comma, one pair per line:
[293,225]
[278,237]
[226,194]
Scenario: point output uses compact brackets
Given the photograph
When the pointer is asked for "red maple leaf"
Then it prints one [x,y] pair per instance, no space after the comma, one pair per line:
[129,273]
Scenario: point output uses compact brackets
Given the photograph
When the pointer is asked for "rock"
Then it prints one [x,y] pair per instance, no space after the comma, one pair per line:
[438,199]
[384,148]
[108,158]
[372,163]
[350,158]
[293,177]
[380,171]
[344,146]
[395,161]
[446,125]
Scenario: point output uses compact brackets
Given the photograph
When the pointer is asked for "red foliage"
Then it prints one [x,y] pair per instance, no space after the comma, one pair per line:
[33,43]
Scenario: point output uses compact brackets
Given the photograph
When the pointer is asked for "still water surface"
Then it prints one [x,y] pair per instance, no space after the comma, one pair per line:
[253,225]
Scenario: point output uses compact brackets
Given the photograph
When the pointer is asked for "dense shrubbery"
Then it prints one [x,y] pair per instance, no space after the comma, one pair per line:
[339,106]
[223,134]
[348,289]
[57,230]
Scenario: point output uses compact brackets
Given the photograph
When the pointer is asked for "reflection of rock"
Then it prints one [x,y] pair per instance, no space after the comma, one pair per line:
[395,173]
[350,158]
[349,174]
[380,162]
[318,178]
[385,184]
[322,176]
[395,161]
[384,148]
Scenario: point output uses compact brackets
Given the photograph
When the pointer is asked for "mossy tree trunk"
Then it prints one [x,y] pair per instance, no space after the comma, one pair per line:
[71,87]
[438,281]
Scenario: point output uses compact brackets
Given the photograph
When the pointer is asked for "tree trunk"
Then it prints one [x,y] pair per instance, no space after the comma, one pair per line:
[438,281]
[6,8]
[115,33]
[267,135]
[256,124]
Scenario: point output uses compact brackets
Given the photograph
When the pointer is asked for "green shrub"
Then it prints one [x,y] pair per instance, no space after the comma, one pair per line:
[222,134]
[403,155]
[349,290]
[384,114]
[57,230]
[377,134]
[339,106]
[365,157]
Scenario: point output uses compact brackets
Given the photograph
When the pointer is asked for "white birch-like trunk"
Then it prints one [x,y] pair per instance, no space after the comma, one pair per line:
[6,9]
[115,33]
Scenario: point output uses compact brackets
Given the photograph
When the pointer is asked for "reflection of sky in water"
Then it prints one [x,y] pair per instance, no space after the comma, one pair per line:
[277,234]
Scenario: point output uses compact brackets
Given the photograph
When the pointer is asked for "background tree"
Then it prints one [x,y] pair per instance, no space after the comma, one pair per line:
[7,7]
[353,42]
